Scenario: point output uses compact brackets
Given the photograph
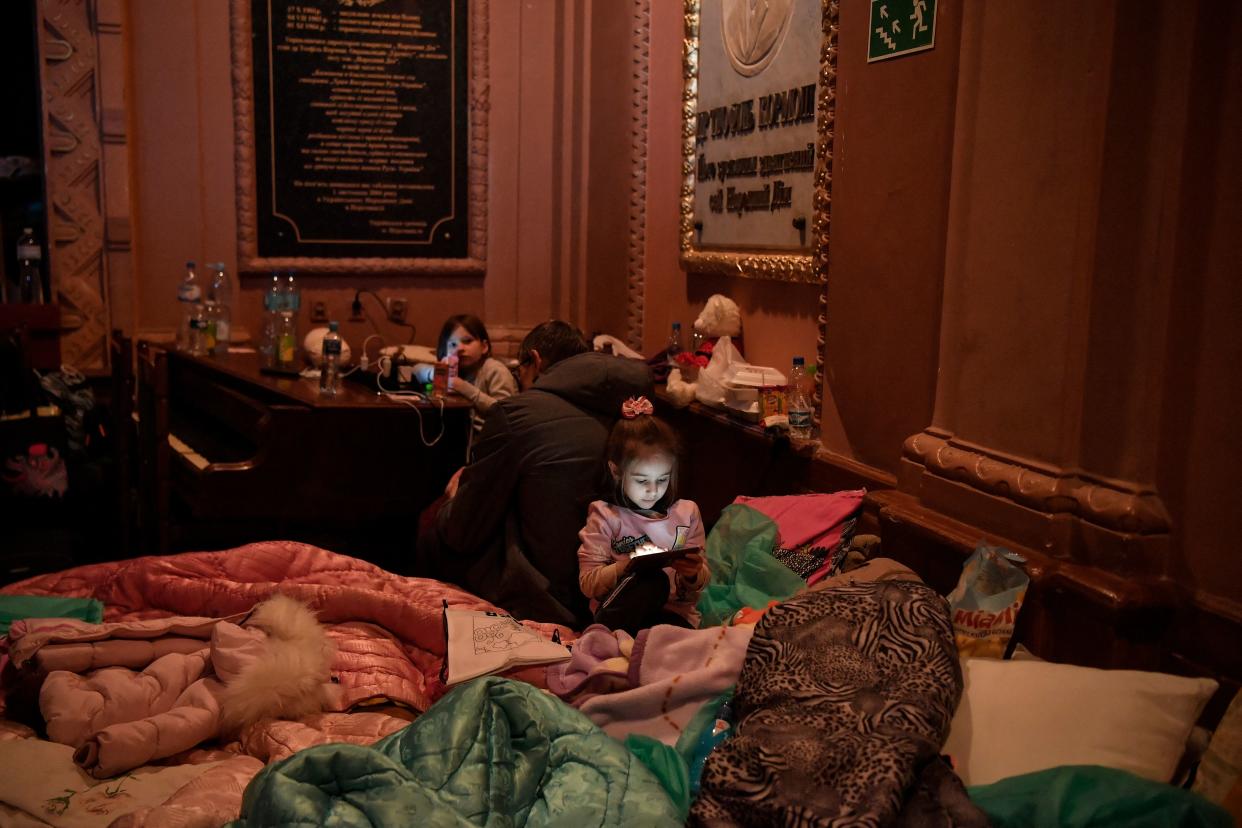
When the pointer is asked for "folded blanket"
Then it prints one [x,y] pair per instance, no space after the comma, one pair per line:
[814,529]
[842,705]
[493,751]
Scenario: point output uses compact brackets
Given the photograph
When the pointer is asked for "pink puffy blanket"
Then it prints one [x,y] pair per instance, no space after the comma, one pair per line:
[387,631]
[350,596]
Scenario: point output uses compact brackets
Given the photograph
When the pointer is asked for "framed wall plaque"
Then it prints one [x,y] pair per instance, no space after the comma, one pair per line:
[361,135]
[758,112]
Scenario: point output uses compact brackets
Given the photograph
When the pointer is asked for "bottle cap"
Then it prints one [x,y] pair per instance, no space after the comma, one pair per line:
[332,326]
[190,263]
[429,389]
[810,370]
[799,360]
[677,326]
[28,230]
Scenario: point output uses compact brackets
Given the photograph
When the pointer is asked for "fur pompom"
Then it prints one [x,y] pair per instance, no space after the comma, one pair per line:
[288,680]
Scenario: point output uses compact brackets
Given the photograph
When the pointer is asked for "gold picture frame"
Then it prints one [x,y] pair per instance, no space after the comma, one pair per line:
[810,267]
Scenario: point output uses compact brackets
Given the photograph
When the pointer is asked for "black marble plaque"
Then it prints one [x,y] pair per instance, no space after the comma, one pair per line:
[361,127]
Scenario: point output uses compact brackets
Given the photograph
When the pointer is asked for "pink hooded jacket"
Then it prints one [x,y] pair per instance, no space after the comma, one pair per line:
[276,664]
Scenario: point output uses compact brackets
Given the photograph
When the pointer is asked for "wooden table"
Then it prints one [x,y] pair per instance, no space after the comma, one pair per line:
[231,454]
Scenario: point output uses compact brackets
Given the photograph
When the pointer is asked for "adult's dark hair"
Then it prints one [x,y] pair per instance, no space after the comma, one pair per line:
[554,340]
[631,438]
[471,323]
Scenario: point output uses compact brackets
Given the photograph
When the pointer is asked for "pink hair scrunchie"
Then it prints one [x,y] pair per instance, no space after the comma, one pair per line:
[636,407]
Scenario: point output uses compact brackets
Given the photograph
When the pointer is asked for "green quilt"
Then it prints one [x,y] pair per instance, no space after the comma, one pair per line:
[1082,796]
[17,607]
[493,752]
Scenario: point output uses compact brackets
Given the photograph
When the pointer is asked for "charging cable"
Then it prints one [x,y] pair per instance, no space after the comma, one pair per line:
[411,399]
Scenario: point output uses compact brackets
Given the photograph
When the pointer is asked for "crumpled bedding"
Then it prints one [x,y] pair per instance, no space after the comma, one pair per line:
[387,631]
[651,685]
[340,589]
[492,752]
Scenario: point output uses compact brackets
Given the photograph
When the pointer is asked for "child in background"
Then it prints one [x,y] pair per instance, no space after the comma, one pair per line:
[643,509]
[481,379]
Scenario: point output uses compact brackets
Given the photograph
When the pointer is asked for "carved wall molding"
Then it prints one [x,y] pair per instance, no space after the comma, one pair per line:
[244,138]
[826,121]
[74,174]
[1112,505]
[640,35]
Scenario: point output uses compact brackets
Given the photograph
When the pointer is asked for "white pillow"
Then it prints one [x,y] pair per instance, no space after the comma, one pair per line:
[1023,716]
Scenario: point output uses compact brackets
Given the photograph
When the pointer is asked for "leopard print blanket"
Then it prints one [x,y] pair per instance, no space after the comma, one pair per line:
[843,703]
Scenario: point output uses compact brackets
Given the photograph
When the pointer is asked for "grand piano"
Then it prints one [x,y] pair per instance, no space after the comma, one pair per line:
[230,455]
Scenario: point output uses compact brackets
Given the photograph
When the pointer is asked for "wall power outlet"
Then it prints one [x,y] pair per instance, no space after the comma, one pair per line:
[396,309]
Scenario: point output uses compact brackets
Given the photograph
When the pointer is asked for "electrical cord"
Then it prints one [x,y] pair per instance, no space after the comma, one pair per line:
[409,398]
[364,361]
[356,309]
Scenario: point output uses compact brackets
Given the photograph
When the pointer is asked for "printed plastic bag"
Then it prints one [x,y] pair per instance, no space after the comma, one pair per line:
[710,726]
[986,600]
[709,387]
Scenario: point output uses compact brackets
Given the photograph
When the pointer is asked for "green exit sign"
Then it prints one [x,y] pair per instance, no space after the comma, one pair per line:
[899,27]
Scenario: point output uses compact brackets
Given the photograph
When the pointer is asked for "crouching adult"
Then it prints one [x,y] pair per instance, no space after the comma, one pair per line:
[508,531]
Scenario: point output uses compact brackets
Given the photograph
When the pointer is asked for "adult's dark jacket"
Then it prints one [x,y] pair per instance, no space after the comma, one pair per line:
[511,533]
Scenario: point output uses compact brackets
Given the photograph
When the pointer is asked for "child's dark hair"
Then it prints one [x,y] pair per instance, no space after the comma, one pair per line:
[628,438]
[471,323]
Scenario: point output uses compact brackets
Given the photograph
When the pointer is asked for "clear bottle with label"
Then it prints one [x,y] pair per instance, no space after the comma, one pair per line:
[196,330]
[799,406]
[189,300]
[286,340]
[292,301]
[273,304]
[220,293]
[210,331]
[675,344]
[29,268]
[330,363]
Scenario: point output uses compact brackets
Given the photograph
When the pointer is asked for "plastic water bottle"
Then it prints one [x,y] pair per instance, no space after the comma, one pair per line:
[286,339]
[29,268]
[293,293]
[330,364]
[190,300]
[675,346]
[292,301]
[273,303]
[799,407]
[220,300]
[196,330]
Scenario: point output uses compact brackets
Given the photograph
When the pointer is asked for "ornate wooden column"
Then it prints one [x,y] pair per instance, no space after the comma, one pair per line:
[82,74]
[1061,252]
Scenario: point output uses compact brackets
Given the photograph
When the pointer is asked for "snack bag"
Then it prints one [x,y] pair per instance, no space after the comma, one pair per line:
[984,605]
